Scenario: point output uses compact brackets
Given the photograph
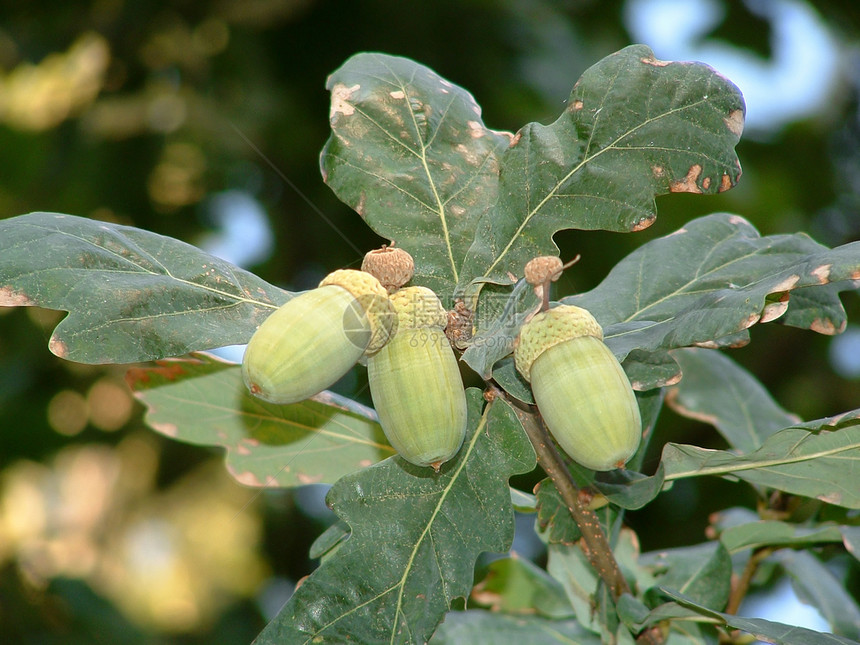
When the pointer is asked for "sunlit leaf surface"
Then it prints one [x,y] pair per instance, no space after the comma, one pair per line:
[634,127]
[131,295]
[410,154]
[415,537]
[202,400]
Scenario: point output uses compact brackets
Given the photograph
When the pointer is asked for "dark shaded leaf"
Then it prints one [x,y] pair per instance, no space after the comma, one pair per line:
[202,400]
[131,295]
[634,128]
[421,531]
[718,391]
[495,340]
[410,154]
[629,489]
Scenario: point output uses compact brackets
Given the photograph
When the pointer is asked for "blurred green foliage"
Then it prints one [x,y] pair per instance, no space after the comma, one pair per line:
[143,112]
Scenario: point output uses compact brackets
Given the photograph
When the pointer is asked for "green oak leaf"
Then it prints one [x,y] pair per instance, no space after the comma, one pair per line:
[409,152]
[708,282]
[421,531]
[762,533]
[702,572]
[818,586]
[764,630]
[815,459]
[131,295]
[478,627]
[202,400]
[634,128]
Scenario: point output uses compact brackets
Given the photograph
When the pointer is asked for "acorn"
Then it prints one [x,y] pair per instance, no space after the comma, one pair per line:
[580,388]
[415,382]
[314,339]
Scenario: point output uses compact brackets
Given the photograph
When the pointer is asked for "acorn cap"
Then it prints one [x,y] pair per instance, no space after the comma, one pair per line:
[418,307]
[392,266]
[543,269]
[372,297]
[550,328]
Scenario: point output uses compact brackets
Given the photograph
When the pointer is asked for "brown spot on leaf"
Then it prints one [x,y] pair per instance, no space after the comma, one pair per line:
[167,429]
[825,326]
[365,463]
[707,344]
[787,284]
[822,273]
[831,498]
[247,478]
[340,97]
[309,479]
[577,105]
[242,449]
[650,60]
[58,347]
[725,184]
[774,310]
[735,122]
[360,207]
[658,170]
[397,94]
[643,223]
[688,183]
[750,320]
[169,370]
[516,138]
[476,130]
[706,183]
[11,298]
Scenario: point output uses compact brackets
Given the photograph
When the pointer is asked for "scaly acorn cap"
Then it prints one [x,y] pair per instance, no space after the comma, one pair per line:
[392,266]
[372,297]
[550,328]
[418,307]
[543,269]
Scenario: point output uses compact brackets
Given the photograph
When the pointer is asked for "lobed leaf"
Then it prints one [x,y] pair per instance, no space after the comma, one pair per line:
[409,152]
[708,282]
[202,400]
[421,530]
[131,295]
[635,127]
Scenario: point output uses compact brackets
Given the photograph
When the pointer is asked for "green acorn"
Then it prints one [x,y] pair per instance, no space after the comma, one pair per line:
[415,382]
[315,338]
[579,387]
